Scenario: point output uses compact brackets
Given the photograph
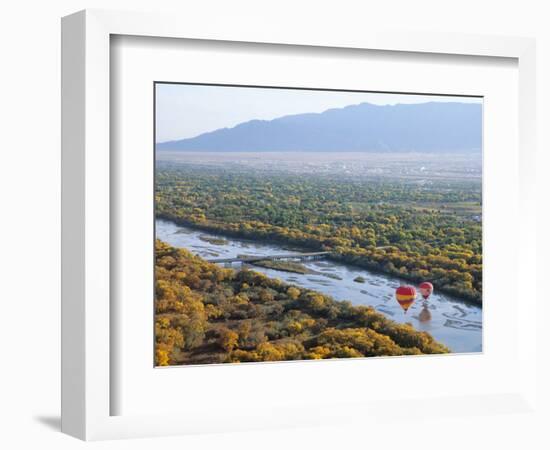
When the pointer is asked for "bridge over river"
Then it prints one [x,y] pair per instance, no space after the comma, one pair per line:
[256,258]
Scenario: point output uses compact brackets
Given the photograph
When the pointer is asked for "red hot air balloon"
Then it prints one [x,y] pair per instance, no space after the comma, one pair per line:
[426,289]
[405,295]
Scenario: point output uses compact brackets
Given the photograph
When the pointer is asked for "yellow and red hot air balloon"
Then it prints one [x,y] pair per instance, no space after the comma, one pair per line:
[405,295]
[426,289]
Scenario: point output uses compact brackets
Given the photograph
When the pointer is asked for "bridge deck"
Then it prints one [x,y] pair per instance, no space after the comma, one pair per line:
[253,258]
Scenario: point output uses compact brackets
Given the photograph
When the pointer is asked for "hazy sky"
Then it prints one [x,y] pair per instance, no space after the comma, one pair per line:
[184,111]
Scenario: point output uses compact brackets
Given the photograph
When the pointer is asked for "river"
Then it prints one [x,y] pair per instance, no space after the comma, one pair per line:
[455,323]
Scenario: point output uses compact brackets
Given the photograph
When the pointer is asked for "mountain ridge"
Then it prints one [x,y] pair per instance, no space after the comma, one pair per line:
[363,127]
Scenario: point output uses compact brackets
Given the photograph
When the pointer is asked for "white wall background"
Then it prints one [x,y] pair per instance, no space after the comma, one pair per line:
[30,197]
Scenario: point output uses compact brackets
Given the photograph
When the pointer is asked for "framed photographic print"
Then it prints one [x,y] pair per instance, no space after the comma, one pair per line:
[259,221]
[299,224]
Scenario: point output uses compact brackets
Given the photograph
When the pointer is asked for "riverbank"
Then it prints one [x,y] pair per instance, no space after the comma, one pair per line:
[454,322]
[249,234]
[207,314]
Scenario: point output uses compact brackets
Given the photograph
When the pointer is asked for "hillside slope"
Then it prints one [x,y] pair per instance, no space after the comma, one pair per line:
[424,127]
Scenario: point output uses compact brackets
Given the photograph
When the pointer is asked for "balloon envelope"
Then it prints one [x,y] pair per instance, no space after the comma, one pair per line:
[405,295]
[426,289]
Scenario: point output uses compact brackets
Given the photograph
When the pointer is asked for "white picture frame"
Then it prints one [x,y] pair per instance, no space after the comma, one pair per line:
[87,385]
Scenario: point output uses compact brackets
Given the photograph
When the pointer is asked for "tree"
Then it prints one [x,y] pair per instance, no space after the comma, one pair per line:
[228,339]
[161,357]
[293,292]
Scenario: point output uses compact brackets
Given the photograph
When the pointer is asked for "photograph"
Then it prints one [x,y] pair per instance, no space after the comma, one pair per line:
[297,223]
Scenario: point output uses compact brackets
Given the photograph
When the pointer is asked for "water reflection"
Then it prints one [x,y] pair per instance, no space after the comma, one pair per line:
[425,315]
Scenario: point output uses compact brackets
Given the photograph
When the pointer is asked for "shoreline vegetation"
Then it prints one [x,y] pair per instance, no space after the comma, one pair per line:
[213,240]
[292,267]
[284,266]
[373,267]
[208,314]
[412,231]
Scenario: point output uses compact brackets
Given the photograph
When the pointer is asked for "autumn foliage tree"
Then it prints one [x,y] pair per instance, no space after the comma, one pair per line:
[207,314]
[403,229]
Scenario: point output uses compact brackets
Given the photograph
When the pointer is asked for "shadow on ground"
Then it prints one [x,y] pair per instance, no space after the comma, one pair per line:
[51,422]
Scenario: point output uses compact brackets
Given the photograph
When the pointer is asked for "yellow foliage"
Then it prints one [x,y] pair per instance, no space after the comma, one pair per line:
[161,357]
[228,339]
[293,292]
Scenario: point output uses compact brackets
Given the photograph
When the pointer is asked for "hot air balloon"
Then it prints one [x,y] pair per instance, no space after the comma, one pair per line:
[426,289]
[405,296]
